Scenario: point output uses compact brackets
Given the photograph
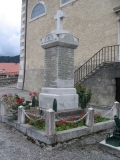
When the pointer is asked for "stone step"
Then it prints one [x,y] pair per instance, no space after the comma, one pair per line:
[70,112]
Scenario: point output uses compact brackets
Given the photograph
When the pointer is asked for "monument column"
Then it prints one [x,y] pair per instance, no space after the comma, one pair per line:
[59,48]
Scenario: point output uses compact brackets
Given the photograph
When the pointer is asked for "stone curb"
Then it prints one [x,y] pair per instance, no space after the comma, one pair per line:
[109,148]
[82,131]
[59,136]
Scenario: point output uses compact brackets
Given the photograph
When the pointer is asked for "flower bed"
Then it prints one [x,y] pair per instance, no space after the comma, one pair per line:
[12,103]
[66,124]
[34,115]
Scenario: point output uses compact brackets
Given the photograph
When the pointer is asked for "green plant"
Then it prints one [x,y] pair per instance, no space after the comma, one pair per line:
[84,95]
[13,101]
[98,118]
[40,124]
[63,124]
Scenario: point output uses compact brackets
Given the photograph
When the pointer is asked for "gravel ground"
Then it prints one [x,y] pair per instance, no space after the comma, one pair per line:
[16,146]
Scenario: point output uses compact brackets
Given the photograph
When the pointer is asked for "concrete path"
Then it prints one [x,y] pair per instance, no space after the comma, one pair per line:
[11,88]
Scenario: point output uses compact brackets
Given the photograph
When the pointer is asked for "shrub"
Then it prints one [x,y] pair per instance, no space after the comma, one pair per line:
[84,94]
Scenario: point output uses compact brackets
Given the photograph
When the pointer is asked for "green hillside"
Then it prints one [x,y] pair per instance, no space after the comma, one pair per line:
[8,59]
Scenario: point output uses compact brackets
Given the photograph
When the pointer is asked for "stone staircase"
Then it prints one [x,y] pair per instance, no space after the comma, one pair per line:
[105,56]
[93,72]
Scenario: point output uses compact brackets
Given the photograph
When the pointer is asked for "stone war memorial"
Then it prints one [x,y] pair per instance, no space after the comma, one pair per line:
[40,121]
[59,48]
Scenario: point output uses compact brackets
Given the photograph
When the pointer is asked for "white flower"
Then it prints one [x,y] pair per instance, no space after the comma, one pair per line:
[30,104]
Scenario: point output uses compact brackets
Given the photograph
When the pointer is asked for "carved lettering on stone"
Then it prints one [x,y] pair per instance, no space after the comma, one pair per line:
[66,63]
[50,68]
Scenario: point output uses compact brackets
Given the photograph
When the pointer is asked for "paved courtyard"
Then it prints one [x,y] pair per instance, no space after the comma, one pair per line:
[16,146]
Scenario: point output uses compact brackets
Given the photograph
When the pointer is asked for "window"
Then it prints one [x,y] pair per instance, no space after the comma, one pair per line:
[64,2]
[38,11]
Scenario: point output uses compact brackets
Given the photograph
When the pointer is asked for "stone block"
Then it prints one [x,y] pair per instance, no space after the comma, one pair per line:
[64,40]
[103,126]
[21,115]
[22,127]
[40,135]
[2,109]
[90,117]
[58,91]
[72,133]
[64,101]
[50,122]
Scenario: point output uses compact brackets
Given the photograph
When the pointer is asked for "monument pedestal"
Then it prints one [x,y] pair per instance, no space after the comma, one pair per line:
[59,48]
[66,98]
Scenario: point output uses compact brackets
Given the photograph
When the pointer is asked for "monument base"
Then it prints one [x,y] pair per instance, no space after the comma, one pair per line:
[66,98]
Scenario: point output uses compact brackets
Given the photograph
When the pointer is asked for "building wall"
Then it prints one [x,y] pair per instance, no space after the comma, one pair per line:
[93,22]
[103,84]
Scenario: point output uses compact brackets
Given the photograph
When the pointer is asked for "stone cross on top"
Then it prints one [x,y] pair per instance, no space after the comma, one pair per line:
[59,17]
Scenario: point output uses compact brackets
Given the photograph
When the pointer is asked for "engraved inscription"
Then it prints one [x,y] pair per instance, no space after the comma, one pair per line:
[50,67]
[65,63]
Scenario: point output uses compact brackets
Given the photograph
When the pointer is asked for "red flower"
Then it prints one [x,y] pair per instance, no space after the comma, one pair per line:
[95,115]
[63,121]
[32,116]
[72,118]
[19,100]
[4,95]
[82,114]
[58,124]
[42,120]
[30,93]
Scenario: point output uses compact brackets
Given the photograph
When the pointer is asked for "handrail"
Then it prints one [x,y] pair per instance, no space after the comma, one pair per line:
[106,54]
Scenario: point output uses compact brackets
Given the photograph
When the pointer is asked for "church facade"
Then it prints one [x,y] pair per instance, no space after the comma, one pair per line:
[96,23]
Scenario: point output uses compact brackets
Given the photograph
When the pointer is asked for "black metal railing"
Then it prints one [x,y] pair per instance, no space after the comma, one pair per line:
[106,54]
